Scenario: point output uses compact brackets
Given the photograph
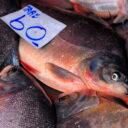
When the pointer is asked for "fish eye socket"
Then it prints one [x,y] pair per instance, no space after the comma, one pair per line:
[115,76]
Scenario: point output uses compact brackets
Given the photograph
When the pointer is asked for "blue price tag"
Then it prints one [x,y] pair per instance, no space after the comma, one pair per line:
[34,26]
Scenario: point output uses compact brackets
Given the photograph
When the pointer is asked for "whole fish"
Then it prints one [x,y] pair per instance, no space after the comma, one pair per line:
[8,38]
[106,114]
[22,104]
[85,56]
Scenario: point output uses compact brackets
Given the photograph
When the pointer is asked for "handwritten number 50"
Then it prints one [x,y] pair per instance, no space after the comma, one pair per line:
[18,25]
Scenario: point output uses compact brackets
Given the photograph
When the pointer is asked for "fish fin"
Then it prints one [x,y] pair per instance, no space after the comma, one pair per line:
[74,103]
[64,80]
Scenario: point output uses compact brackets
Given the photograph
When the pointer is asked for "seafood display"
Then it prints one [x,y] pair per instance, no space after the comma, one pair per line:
[79,79]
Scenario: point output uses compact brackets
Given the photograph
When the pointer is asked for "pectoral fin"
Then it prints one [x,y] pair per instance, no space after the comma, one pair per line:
[63,80]
[74,103]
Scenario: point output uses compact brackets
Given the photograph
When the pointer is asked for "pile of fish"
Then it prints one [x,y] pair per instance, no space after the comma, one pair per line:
[84,69]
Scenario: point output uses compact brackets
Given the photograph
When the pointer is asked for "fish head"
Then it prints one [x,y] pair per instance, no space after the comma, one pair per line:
[12,79]
[106,73]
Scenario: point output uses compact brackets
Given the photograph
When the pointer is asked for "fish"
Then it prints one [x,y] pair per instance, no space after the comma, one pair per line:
[103,8]
[23,104]
[9,40]
[86,57]
[106,114]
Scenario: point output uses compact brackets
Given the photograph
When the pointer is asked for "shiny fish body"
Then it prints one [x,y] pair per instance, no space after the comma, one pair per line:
[63,63]
[103,8]
[22,104]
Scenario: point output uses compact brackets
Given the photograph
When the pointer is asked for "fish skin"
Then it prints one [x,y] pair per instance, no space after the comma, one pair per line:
[8,38]
[63,68]
[24,106]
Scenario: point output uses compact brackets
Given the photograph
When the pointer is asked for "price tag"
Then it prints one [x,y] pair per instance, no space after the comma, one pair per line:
[34,26]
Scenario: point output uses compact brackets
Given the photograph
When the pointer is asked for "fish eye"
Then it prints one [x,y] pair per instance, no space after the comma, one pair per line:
[115,76]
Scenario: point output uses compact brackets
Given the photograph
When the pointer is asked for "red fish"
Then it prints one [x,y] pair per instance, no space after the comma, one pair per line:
[83,58]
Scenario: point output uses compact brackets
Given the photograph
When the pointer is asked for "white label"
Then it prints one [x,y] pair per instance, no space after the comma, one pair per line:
[34,26]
